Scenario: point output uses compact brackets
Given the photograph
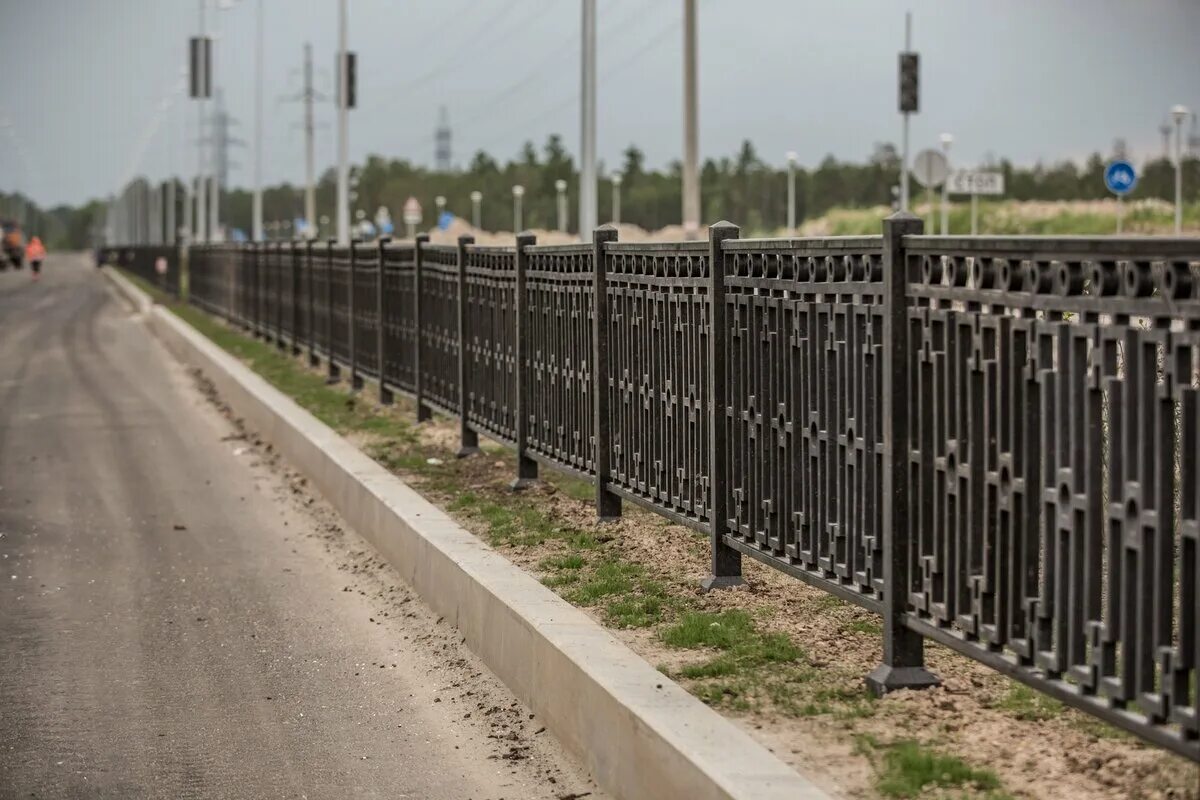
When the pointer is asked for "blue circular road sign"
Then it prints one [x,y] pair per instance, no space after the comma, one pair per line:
[1120,177]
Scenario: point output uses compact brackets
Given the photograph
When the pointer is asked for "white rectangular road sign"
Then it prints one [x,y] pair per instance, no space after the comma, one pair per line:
[967,182]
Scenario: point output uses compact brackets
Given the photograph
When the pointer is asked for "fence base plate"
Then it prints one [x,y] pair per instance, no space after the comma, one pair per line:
[884,679]
[713,582]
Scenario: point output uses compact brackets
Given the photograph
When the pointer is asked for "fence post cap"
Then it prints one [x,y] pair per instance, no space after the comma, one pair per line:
[901,216]
[465,238]
[722,225]
[605,233]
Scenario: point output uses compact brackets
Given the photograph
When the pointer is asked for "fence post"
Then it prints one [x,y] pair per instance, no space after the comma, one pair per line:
[726,561]
[468,437]
[294,253]
[423,411]
[356,381]
[385,394]
[608,504]
[903,664]
[310,327]
[527,468]
[332,369]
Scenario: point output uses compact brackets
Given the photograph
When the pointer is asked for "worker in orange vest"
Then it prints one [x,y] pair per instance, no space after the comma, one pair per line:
[36,253]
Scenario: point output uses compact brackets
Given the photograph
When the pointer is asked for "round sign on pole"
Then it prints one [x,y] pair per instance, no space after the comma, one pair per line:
[412,211]
[930,168]
[160,265]
[1120,177]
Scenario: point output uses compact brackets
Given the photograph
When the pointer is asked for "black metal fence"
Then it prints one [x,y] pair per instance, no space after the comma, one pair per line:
[159,265]
[992,443]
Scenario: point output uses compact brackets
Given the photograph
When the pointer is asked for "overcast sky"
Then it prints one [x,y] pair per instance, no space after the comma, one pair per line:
[85,81]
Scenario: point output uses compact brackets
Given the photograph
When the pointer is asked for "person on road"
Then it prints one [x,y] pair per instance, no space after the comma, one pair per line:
[35,251]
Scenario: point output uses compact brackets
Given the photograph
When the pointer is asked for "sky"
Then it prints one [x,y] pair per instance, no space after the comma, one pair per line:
[92,91]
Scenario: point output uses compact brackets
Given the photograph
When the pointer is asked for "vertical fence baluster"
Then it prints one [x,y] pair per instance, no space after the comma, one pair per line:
[608,504]
[903,664]
[423,411]
[527,468]
[332,369]
[381,355]
[468,436]
[356,381]
[726,561]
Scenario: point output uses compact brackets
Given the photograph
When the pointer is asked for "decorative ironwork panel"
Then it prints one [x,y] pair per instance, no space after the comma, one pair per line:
[298,317]
[658,345]
[318,267]
[399,318]
[339,278]
[804,436]
[1054,454]
[558,315]
[439,325]
[366,313]
[491,332]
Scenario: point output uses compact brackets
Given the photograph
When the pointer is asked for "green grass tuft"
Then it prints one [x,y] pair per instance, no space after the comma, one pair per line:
[909,768]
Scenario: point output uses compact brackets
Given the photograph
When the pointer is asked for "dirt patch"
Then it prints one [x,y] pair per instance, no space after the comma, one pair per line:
[640,575]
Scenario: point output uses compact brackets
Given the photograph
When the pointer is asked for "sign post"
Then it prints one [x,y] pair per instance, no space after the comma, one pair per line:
[1120,178]
[930,168]
[975,183]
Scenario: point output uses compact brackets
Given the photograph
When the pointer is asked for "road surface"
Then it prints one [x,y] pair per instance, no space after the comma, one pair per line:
[178,618]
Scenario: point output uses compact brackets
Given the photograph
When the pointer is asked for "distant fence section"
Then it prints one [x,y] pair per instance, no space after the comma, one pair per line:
[992,443]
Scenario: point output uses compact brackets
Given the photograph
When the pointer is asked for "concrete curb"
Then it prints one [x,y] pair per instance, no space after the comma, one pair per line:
[639,733]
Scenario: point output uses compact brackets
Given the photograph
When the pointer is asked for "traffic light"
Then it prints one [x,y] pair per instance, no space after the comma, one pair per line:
[909,65]
[351,65]
[200,67]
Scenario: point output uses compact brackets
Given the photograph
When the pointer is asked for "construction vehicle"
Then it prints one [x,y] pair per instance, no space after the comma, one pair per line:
[13,244]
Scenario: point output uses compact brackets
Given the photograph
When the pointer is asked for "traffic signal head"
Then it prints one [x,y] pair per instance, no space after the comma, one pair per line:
[909,65]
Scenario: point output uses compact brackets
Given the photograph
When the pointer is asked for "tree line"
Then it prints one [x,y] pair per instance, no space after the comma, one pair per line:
[742,188]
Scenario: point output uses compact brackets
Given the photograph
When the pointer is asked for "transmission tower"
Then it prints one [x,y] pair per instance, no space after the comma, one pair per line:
[442,138]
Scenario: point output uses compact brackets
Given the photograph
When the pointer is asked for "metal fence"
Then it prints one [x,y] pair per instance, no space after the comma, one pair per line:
[158,265]
[992,443]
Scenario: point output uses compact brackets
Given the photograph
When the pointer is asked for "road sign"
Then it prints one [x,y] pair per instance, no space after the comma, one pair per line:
[160,265]
[412,212]
[930,168]
[1120,177]
[969,182]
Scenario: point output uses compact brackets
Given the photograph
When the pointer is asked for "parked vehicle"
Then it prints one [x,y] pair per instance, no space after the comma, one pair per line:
[13,245]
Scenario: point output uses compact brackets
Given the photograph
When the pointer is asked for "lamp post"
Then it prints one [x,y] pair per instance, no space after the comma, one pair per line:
[518,192]
[476,210]
[1179,114]
[560,186]
[616,197]
[947,140]
[440,203]
[791,193]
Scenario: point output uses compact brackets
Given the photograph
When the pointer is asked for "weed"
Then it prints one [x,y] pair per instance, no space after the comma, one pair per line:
[909,767]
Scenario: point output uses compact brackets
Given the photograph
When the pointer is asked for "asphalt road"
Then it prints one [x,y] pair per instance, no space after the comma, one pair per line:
[178,618]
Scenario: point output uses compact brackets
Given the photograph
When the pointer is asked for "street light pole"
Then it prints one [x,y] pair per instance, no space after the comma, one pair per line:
[518,192]
[343,170]
[587,151]
[201,195]
[476,213]
[616,198]
[905,115]
[257,222]
[791,194]
[1179,113]
[691,146]
[947,140]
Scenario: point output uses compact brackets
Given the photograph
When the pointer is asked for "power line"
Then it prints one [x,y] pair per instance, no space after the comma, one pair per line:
[568,101]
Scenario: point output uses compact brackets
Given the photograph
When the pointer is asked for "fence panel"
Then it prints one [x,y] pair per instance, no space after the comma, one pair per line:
[318,268]
[490,347]
[658,327]
[558,325]
[366,316]
[804,437]
[399,320]
[439,326]
[339,302]
[1054,502]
